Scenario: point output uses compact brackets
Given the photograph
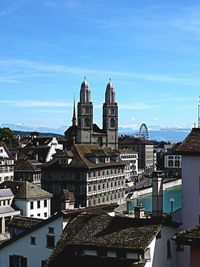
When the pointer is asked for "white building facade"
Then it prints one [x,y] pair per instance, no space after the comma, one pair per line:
[33,247]
[6,164]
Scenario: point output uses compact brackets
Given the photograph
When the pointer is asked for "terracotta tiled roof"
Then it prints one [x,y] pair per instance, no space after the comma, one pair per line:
[25,190]
[191,144]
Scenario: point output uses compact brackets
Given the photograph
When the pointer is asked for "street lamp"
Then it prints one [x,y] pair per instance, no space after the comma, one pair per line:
[172,203]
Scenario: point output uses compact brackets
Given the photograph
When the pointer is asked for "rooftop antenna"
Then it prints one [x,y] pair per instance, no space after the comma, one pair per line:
[199,113]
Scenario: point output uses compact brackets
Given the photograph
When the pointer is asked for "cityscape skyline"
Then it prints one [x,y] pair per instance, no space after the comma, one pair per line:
[149,50]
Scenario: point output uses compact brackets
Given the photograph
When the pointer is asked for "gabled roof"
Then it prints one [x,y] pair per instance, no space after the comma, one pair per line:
[27,165]
[2,144]
[31,152]
[102,231]
[191,144]
[6,193]
[174,149]
[25,190]
[189,236]
[40,141]
[22,222]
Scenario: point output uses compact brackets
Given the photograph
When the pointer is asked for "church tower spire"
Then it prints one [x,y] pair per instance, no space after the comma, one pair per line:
[110,116]
[74,115]
[85,115]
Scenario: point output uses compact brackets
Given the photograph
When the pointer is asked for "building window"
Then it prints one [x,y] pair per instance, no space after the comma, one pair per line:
[17,261]
[112,122]
[45,214]
[45,203]
[38,214]
[50,241]
[170,163]
[51,230]
[31,205]
[33,240]
[38,204]
[177,163]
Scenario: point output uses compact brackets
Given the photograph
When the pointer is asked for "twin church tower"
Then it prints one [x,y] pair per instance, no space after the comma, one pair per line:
[83,130]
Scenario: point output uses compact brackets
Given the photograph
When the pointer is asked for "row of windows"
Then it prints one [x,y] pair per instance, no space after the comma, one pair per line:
[128,156]
[6,169]
[6,178]
[38,204]
[6,162]
[6,202]
[175,163]
[174,157]
[106,199]
[104,172]
[103,186]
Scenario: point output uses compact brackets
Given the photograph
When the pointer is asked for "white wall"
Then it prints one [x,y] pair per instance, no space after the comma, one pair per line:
[34,253]
[152,249]
[3,152]
[25,205]
[160,252]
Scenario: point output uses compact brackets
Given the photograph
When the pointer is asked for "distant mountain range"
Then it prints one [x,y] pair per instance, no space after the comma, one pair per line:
[159,135]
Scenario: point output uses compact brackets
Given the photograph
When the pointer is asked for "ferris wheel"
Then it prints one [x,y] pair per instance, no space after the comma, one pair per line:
[143,131]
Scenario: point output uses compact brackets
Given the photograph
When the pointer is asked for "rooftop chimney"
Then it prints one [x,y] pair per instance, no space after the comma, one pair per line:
[139,211]
[157,194]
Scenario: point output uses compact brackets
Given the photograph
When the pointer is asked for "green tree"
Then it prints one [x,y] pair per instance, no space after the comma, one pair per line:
[8,137]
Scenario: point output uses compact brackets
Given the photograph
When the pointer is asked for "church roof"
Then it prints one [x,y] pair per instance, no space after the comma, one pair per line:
[71,131]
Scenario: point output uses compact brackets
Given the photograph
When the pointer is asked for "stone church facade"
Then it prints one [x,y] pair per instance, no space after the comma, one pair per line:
[83,130]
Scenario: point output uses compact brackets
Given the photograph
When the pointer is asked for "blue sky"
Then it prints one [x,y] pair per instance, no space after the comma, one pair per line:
[150,50]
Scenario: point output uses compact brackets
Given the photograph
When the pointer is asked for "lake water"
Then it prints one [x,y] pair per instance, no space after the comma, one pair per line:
[174,192]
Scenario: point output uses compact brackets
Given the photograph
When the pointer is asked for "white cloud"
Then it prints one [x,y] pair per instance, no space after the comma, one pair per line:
[137,106]
[33,104]
[20,69]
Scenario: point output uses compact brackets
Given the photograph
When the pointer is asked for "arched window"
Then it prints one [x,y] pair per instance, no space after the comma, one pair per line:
[87,122]
[112,122]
